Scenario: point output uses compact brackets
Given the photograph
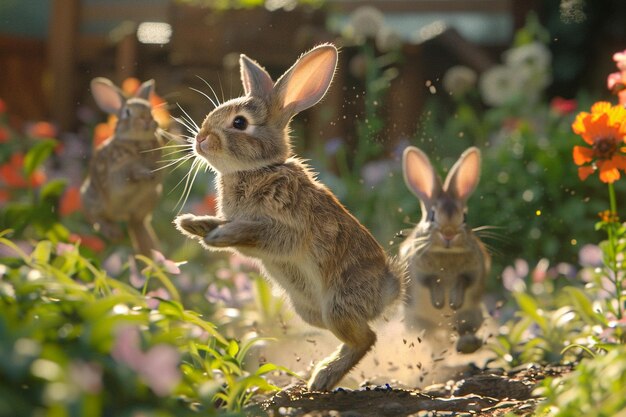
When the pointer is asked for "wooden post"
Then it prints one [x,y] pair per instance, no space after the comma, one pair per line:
[126,56]
[62,61]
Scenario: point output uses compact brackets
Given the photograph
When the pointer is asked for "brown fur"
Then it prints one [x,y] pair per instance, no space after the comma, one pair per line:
[123,184]
[270,207]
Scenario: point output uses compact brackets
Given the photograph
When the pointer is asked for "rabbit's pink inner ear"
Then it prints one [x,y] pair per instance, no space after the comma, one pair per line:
[464,175]
[309,78]
[107,96]
[419,174]
[256,81]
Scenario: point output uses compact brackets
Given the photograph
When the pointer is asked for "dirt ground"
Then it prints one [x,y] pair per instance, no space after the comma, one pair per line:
[401,376]
[486,393]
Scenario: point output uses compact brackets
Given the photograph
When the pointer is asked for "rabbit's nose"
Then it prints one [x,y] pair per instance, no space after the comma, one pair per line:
[448,233]
[201,138]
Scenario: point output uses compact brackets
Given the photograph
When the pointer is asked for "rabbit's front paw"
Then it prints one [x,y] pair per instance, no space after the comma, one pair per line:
[195,226]
[219,238]
[468,343]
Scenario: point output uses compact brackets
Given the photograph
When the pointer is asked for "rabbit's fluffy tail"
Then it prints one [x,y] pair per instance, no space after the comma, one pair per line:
[142,236]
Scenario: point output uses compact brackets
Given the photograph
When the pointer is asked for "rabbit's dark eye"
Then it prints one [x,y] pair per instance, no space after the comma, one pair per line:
[464,217]
[240,123]
[431,216]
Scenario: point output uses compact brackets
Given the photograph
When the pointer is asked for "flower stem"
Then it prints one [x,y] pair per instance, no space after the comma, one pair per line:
[612,250]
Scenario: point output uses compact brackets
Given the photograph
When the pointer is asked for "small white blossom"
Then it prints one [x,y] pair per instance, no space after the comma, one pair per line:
[499,84]
[459,79]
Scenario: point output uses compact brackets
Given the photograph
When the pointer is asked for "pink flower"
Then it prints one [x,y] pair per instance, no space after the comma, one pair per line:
[169,266]
[614,81]
[158,367]
[87,376]
[620,59]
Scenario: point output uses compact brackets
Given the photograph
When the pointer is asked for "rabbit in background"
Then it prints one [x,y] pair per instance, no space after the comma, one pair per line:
[447,263]
[272,208]
[123,183]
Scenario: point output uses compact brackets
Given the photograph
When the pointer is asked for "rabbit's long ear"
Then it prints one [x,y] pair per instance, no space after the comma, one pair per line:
[306,82]
[256,81]
[419,175]
[108,97]
[464,175]
[145,89]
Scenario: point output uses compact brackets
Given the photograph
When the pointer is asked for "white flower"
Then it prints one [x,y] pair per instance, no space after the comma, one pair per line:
[499,85]
[459,79]
[365,22]
[388,39]
[531,63]
[534,55]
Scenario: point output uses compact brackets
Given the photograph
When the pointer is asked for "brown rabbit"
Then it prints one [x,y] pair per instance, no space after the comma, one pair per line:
[123,184]
[271,207]
[448,264]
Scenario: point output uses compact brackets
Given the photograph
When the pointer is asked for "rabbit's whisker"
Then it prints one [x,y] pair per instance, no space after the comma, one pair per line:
[170,137]
[186,150]
[180,161]
[195,166]
[189,119]
[184,178]
[182,147]
[214,94]
[205,95]
[486,227]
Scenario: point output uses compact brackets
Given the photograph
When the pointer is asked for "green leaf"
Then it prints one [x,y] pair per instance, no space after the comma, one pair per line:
[233,348]
[53,189]
[42,251]
[582,304]
[38,154]
[529,307]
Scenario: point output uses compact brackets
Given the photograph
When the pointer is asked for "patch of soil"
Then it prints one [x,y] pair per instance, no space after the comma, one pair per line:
[487,393]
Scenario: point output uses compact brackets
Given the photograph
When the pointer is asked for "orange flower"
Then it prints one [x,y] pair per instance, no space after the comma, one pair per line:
[42,130]
[13,175]
[605,130]
[70,201]
[609,216]
[101,133]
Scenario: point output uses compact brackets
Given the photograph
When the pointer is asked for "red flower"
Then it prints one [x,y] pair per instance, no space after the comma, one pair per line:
[4,135]
[563,106]
[12,173]
[3,106]
[70,201]
[92,242]
[206,206]
[5,195]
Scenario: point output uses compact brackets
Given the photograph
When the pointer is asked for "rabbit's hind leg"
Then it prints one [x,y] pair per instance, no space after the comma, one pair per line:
[357,337]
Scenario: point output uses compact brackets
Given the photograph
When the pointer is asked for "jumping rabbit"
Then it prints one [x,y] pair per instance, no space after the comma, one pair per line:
[447,263]
[123,183]
[272,208]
